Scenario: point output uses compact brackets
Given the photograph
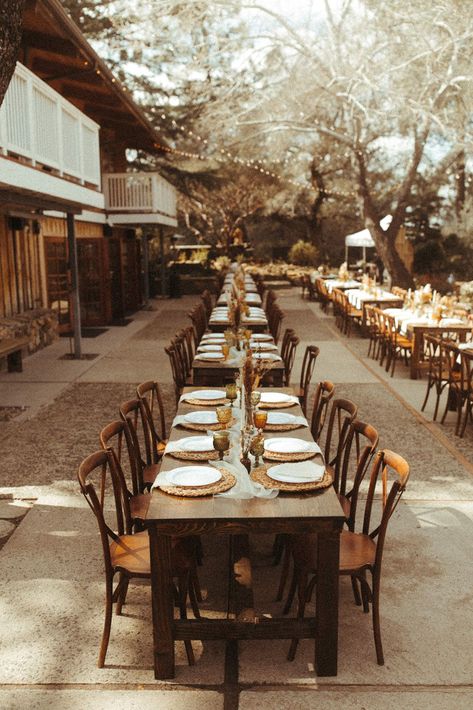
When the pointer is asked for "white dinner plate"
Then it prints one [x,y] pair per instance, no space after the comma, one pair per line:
[211,395]
[307,472]
[288,445]
[275,398]
[205,417]
[261,336]
[210,356]
[193,476]
[280,418]
[210,348]
[267,356]
[196,443]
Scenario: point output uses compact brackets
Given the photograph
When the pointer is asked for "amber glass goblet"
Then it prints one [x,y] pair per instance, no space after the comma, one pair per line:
[224,415]
[260,417]
[231,392]
[221,442]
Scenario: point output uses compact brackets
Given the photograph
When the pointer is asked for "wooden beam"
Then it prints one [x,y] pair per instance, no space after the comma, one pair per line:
[49,43]
[10,200]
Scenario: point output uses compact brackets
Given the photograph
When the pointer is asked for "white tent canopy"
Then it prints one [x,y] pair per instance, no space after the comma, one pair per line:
[363,238]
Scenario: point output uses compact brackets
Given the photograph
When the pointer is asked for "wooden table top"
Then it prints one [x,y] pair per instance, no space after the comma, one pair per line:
[316,505]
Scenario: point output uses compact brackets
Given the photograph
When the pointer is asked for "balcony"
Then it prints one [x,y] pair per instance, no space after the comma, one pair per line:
[139,198]
[48,146]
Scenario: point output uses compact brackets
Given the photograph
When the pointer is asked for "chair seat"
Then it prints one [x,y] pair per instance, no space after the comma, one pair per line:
[139,505]
[356,551]
[131,554]
[354,313]
[402,342]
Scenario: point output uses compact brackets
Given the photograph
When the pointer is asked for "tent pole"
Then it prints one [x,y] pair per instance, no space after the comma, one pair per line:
[346,254]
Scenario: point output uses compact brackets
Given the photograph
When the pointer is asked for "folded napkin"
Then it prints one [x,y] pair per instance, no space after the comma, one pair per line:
[451,321]
[305,471]
[301,421]
[312,448]
[203,356]
[465,346]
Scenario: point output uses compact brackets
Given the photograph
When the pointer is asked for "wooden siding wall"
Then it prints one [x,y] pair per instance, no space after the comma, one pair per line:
[20,271]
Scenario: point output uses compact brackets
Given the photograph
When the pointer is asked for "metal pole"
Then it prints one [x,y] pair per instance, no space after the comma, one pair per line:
[145,244]
[75,297]
[163,266]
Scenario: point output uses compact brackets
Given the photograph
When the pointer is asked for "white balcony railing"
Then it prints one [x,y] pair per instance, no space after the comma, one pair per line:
[139,193]
[37,123]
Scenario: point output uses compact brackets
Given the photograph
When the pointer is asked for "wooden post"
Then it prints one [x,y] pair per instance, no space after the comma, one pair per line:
[163,266]
[75,297]
[145,243]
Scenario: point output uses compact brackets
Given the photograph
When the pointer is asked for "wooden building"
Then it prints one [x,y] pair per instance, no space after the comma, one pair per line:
[69,210]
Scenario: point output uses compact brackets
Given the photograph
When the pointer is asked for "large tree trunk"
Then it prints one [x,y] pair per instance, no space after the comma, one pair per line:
[11,16]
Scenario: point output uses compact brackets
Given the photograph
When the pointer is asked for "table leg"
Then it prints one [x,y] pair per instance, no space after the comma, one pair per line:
[326,642]
[162,604]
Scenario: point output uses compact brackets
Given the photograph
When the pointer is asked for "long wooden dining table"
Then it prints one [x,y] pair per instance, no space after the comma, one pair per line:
[171,516]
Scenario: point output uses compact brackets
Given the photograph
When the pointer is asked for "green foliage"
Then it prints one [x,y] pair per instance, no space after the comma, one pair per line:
[429,257]
[303,254]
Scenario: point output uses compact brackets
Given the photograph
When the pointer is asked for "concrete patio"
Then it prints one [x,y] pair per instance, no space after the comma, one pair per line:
[51,600]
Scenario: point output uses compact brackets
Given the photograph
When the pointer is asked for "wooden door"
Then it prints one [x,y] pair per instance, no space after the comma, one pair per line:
[92,281]
[116,279]
[57,280]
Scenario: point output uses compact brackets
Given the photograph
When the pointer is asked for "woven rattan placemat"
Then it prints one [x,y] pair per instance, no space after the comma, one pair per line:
[282,427]
[204,427]
[194,455]
[227,481]
[205,402]
[289,457]
[260,475]
[276,405]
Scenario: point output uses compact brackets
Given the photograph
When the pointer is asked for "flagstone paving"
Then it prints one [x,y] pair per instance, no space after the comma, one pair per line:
[51,598]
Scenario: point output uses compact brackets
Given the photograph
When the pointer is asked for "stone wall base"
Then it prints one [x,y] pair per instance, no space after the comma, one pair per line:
[39,324]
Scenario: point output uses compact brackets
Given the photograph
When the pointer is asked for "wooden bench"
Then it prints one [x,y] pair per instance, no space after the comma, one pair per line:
[11,349]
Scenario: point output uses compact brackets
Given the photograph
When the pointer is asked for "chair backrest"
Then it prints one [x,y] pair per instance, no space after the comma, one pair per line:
[323,394]
[199,319]
[178,375]
[274,322]
[206,297]
[308,363]
[342,415]
[391,472]
[150,396]
[96,474]
[285,341]
[115,437]
[289,358]
[130,412]
[361,446]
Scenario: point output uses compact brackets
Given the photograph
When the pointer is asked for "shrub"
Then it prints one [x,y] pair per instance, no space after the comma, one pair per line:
[303,254]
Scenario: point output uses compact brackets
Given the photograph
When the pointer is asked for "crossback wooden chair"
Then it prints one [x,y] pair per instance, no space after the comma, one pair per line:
[285,341]
[275,320]
[361,446]
[323,295]
[153,418]
[206,297]
[127,555]
[114,438]
[289,358]
[373,331]
[438,372]
[323,395]
[130,413]
[458,386]
[350,314]
[342,415]
[199,320]
[170,351]
[398,345]
[307,369]
[361,553]
[466,374]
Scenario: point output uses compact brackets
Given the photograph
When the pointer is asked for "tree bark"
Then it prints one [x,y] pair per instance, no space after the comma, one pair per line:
[11,19]
[385,240]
